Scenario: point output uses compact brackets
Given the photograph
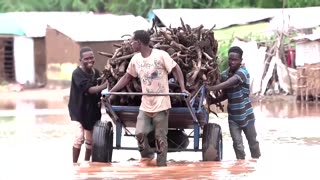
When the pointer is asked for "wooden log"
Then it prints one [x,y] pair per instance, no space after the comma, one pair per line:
[194,49]
[105,54]
[121,58]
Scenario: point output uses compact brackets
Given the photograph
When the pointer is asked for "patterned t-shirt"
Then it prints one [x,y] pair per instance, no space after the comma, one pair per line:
[153,73]
[239,105]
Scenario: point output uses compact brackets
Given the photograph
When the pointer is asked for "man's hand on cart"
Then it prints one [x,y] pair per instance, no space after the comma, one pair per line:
[185,91]
[105,96]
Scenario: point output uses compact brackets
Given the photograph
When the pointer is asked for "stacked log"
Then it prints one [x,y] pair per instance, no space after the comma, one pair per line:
[194,50]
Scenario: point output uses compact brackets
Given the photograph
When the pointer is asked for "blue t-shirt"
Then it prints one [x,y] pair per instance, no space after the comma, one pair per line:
[240,109]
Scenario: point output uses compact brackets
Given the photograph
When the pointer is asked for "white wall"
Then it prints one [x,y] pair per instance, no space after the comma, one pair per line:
[253,59]
[24,59]
[307,53]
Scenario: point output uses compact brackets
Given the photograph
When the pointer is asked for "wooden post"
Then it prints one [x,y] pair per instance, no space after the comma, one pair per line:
[301,84]
[314,80]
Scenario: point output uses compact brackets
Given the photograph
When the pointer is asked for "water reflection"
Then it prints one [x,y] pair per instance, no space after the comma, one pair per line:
[43,126]
[35,141]
[29,109]
[275,109]
[176,170]
[282,109]
[36,104]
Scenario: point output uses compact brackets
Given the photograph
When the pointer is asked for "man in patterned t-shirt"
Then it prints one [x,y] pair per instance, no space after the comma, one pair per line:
[152,66]
[235,87]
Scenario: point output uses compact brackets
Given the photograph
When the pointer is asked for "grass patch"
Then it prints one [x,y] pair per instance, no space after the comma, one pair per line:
[225,38]
[242,31]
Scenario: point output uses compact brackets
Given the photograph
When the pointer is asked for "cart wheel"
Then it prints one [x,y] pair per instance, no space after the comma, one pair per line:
[102,146]
[212,142]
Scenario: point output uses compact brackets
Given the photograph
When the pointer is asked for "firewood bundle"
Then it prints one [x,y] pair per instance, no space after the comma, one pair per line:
[194,50]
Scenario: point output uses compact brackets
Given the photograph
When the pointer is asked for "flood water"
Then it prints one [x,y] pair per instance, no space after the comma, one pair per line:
[36,143]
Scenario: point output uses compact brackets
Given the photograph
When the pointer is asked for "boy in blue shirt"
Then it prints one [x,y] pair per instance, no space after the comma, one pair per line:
[235,87]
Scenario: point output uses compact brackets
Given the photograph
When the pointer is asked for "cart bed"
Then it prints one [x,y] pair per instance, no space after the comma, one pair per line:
[179,117]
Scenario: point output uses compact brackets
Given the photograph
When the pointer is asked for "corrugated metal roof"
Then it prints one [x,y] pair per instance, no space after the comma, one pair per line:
[298,18]
[105,27]
[222,18]
[306,37]
[34,24]
[80,26]
[9,26]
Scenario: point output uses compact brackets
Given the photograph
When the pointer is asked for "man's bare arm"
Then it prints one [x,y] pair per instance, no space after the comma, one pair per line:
[126,78]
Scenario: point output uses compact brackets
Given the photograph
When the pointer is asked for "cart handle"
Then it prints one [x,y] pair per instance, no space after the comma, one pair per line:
[106,93]
[185,95]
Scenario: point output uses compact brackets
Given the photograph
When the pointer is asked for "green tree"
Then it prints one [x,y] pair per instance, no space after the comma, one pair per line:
[50,5]
[142,7]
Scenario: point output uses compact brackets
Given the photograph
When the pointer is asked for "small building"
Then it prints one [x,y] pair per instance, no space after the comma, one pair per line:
[211,17]
[8,30]
[308,65]
[294,19]
[22,46]
[100,32]
[20,54]
[307,49]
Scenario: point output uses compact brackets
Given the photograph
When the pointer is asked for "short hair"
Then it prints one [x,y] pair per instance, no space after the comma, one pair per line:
[236,49]
[142,36]
[83,50]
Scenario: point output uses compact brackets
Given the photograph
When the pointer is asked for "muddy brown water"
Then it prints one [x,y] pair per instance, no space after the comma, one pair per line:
[36,138]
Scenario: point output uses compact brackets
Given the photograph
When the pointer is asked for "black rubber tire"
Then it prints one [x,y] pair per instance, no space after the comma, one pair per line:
[212,142]
[178,140]
[102,138]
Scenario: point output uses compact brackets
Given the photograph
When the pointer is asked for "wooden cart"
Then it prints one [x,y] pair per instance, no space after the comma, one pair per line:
[194,117]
